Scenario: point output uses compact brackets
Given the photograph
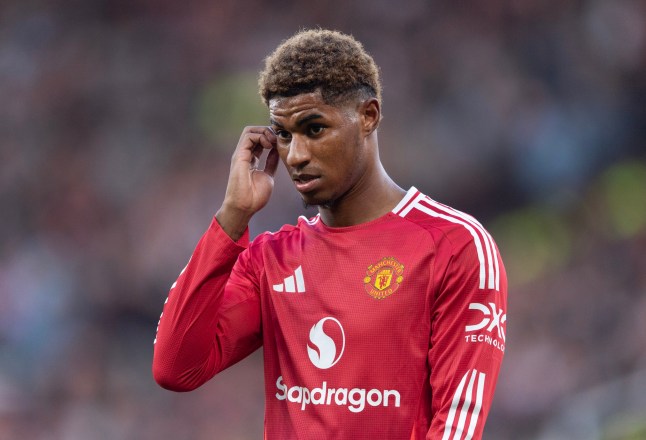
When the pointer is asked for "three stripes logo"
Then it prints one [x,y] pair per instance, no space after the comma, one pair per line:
[468,401]
[293,283]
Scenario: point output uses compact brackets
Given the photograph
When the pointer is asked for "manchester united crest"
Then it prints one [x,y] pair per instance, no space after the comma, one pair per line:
[383,278]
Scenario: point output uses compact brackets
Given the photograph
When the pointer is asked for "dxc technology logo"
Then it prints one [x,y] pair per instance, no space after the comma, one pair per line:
[492,318]
[324,354]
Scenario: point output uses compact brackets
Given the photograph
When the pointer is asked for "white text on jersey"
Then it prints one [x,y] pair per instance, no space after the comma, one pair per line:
[492,318]
[355,399]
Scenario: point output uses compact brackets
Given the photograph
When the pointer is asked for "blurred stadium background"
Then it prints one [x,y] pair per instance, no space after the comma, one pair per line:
[117,120]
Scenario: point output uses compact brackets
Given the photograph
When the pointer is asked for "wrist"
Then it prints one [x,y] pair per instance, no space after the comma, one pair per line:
[233,221]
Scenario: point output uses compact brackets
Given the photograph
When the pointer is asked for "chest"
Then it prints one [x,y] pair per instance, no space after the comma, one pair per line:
[378,284]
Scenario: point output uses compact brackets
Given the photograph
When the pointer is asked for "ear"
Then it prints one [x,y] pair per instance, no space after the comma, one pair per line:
[370,115]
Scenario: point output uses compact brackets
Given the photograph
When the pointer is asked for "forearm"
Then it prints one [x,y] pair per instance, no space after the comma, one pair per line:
[210,322]
[234,222]
[187,353]
[467,347]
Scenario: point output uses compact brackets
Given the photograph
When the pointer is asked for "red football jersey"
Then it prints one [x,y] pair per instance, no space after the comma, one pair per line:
[391,329]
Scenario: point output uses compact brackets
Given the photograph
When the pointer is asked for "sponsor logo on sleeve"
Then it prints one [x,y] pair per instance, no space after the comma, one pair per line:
[490,329]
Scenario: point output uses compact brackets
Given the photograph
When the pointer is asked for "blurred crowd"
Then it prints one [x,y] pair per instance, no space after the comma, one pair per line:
[117,121]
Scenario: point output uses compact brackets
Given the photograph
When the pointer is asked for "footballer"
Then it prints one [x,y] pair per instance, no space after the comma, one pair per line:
[383,316]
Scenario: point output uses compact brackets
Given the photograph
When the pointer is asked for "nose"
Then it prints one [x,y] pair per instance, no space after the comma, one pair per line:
[299,154]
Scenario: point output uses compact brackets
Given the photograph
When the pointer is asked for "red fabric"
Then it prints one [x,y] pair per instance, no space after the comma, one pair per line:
[371,331]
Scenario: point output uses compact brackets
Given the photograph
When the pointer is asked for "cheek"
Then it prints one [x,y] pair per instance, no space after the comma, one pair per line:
[348,162]
[352,151]
[346,147]
[282,153]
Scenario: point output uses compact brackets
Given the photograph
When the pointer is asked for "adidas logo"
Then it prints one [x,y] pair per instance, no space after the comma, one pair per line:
[290,285]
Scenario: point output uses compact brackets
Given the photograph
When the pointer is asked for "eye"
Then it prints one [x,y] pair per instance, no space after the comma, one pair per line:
[315,129]
[282,135]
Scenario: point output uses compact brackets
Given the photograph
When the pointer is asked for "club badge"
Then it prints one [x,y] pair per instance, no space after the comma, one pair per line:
[383,278]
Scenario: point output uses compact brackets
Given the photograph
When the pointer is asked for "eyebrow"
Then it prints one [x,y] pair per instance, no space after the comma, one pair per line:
[272,122]
[307,119]
[299,122]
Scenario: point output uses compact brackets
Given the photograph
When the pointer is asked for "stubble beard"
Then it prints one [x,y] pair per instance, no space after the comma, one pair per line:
[324,205]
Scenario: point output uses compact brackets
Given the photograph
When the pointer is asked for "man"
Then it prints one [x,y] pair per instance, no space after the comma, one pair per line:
[383,317]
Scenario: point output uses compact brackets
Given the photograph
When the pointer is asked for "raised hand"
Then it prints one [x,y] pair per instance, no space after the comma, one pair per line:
[249,187]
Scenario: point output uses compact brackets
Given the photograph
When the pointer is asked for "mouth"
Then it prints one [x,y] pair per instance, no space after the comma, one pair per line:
[305,182]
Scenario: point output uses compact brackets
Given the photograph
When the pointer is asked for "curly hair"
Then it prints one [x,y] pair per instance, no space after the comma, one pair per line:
[319,59]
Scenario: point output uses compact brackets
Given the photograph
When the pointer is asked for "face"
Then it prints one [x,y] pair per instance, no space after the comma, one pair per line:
[321,145]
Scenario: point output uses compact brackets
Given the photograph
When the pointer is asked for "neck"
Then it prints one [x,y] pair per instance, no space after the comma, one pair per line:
[372,197]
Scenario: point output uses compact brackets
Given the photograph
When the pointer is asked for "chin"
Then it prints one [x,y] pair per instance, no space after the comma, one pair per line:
[309,201]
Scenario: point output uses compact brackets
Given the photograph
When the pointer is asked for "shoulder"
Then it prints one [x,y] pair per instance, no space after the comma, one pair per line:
[285,233]
[458,233]
[436,217]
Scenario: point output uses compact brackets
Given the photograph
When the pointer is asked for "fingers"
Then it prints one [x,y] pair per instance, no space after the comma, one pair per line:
[249,187]
[268,139]
[271,164]
[252,136]
[256,153]
[253,141]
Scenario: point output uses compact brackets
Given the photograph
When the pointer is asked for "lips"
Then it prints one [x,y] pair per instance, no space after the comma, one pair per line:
[305,182]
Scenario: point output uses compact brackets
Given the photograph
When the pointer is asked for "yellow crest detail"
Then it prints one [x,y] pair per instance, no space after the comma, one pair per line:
[383,278]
